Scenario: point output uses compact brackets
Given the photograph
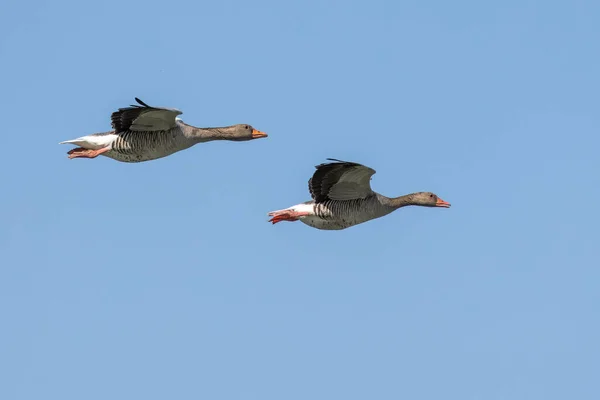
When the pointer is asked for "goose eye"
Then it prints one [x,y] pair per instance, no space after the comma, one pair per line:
[247,127]
[431,195]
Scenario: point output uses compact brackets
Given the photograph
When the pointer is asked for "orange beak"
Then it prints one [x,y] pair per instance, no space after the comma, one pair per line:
[442,203]
[258,134]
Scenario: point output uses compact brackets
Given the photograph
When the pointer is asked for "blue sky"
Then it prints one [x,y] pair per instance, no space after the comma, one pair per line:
[164,280]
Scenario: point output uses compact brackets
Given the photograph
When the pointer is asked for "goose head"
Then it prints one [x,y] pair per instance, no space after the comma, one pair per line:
[242,132]
[428,199]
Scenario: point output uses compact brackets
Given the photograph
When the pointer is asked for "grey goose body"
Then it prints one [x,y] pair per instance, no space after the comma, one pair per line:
[143,133]
[342,197]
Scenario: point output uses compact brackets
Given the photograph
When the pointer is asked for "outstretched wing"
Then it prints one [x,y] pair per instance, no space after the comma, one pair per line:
[144,118]
[340,180]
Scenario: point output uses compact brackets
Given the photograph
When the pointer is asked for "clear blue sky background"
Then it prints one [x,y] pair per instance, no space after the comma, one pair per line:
[163,280]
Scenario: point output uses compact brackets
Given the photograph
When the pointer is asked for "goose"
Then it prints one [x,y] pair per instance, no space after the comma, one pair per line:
[144,133]
[342,197]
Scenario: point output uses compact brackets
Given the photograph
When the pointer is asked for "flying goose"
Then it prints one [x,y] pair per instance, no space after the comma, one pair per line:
[143,133]
[342,197]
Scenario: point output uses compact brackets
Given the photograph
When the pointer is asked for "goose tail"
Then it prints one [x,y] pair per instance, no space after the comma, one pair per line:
[93,142]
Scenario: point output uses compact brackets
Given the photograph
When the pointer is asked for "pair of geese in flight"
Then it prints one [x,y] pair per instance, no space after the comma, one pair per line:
[341,191]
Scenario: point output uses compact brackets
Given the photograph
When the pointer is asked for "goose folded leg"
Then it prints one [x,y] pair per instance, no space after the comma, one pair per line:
[91,146]
[286,215]
[80,152]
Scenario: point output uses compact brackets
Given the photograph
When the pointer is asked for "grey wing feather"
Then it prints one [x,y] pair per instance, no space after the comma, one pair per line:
[340,180]
[144,118]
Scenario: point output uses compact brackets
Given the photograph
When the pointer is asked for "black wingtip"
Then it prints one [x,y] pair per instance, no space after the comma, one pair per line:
[325,163]
[336,161]
[142,103]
